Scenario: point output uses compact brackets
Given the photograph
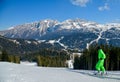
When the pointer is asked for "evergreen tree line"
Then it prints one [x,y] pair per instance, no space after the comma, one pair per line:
[9,58]
[42,52]
[51,58]
[45,57]
[51,61]
[89,58]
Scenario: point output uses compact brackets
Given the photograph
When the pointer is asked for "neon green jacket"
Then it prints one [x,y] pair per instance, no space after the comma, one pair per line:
[101,54]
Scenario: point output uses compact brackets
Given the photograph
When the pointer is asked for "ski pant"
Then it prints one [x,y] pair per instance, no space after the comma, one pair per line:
[100,65]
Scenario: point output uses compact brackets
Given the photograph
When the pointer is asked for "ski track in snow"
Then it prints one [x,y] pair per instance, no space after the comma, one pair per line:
[10,72]
[96,40]
[57,41]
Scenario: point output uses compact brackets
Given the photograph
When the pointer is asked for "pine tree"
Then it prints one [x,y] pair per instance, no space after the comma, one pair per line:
[4,55]
[11,58]
[17,59]
[76,63]
[39,62]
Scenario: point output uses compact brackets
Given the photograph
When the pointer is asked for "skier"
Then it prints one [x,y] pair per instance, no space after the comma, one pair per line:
[100,64]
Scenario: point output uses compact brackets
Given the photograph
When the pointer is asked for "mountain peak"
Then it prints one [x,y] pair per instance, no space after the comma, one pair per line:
[43,27]
[71,33]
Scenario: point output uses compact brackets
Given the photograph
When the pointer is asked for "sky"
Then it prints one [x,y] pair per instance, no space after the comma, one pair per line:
[16,12]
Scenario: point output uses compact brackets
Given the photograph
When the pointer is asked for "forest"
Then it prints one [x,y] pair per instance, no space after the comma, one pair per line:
[44,58]
[55,58]
[89,58]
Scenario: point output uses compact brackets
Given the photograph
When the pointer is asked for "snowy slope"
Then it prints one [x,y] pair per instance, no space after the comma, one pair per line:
[24,73]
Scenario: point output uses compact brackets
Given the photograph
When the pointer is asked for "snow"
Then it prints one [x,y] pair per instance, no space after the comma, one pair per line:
[10,28]
[70,64]
[28,63]
[57,41]
[35,42]
[10,72]
[15,41]
[40,41]
[13,36]
[97,39]
[29,42]
[48,26]
[51,42]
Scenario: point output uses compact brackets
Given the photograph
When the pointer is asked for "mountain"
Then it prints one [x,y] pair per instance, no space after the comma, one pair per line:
[25,46]
[37,29]
[69,34]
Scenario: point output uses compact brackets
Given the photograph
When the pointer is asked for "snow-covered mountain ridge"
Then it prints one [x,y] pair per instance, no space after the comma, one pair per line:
[37,29]
[70,33]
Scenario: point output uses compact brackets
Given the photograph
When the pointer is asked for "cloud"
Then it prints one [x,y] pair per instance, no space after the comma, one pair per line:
[116,20]
[105,7]
[81,3]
